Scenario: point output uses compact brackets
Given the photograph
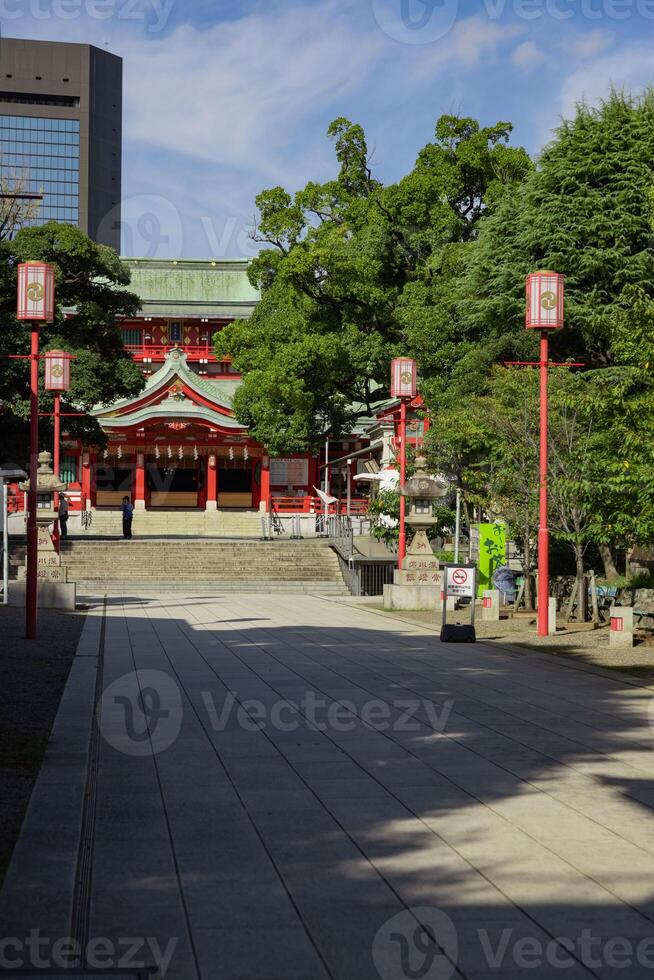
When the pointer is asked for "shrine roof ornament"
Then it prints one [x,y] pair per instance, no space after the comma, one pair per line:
[164,396]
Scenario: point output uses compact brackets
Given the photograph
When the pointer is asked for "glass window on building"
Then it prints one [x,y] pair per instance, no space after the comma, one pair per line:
[42,156]
[68,469]
[132,335]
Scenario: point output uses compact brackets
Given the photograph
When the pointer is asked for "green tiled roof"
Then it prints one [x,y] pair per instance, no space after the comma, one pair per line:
[192,287]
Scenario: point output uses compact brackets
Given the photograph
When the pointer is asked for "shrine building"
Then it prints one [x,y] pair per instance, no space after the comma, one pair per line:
[177,444]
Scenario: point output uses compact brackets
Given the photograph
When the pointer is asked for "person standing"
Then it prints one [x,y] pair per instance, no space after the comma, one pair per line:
[128,513]
[62,513]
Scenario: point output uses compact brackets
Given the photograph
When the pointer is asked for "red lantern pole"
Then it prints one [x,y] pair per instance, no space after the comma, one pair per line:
[56,458]
[544,312]
[401,548]
[543,530]
[31,581]
[34,302]
[404,385]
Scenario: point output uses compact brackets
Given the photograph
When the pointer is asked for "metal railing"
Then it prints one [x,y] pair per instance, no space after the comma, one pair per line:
[363,575]
[366,576]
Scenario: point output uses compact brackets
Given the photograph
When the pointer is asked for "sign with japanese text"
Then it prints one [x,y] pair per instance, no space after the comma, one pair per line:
[460,581]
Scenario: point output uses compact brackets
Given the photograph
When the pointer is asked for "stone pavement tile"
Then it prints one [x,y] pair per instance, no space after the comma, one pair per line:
[338,768]
[316,861]
[125,917]
[354,788]
[279,953]
[280,801]
[237,899]
[39,884]
[345,934]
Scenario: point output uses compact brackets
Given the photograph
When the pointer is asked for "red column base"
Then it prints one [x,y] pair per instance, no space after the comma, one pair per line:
[543,581]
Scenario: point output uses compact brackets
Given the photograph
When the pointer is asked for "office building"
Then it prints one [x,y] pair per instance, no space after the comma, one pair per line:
[61,131]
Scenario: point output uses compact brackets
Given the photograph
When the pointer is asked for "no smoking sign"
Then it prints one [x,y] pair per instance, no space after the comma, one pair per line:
[459,581]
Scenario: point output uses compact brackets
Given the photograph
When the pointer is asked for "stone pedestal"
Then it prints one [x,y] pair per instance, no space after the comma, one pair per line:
[490,605]
[54,589]
[418,584]
[622,626]
[551,616]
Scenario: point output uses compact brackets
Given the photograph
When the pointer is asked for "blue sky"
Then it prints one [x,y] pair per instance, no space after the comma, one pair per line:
[223,98]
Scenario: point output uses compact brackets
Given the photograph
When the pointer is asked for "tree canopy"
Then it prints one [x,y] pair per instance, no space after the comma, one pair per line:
[352,271]
[90,292]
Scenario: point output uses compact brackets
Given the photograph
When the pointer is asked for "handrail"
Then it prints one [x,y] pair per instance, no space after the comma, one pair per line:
[160,350]
[309,504]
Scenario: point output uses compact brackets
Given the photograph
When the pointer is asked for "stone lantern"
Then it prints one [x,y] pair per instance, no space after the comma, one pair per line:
[417,585]
[54,589]
[424,494]
[47,485]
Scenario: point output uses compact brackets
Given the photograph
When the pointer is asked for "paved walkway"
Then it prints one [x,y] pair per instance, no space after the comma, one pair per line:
[327,793]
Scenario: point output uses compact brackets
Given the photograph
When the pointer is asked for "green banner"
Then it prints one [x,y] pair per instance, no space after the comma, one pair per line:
[492,553]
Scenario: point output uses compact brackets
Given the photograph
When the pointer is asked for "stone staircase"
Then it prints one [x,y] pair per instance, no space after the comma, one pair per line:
[178,523]
[138,566]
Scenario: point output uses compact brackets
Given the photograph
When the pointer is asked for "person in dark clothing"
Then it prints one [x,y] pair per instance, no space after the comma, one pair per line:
[62,513]
[128,513]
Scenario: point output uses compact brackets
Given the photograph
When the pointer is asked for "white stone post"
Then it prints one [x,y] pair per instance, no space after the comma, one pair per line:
[490,604]
[622,626]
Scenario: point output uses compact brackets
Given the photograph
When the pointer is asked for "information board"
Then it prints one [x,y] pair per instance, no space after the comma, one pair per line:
[289,472]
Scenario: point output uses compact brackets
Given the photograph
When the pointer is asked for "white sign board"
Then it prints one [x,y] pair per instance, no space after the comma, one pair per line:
[460,581]
[289,472]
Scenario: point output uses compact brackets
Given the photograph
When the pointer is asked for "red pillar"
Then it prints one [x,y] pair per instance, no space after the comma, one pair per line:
[212,482]
[86,480]
[139,482]
[265,483]
[401,550]
[543,532]
[56,459]
[31,588]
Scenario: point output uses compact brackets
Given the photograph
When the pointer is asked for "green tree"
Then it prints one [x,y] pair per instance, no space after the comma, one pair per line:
[352,276]
[587,212]
[90,293]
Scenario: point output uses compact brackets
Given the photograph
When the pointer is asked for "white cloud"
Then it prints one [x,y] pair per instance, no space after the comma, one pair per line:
[631,69]
[527,56]
[477,38]
[215,110]
[589,45]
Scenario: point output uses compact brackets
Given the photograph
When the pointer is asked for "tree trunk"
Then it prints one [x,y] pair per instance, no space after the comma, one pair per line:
[529,598]
[610,571]
[582,591]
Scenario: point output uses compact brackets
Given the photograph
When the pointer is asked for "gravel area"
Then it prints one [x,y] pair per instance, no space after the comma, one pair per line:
[581,643]
[32,678]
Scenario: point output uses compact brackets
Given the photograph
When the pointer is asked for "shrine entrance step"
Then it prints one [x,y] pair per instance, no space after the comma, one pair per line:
[178,523]
[269,566]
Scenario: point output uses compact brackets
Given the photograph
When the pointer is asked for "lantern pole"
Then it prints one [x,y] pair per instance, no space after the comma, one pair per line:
[543,530]
[56,459]
[401,550]
[31,583]
[35,304]
[404,386]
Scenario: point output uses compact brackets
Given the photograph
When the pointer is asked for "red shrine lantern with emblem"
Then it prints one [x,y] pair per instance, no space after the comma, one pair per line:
[57,370]
[404,378]
[544,301]
[35,298]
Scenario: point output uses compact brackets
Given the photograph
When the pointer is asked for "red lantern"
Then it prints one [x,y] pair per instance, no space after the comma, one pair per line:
[35,299]
[544,301]
[57,370]
[404,378]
